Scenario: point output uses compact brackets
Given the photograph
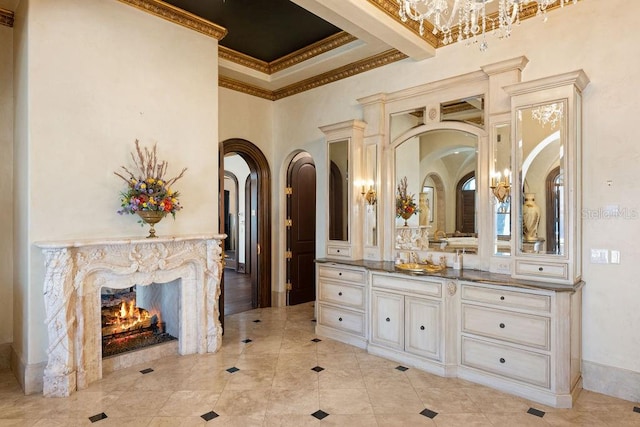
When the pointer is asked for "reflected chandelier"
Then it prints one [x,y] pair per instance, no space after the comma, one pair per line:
[469,16]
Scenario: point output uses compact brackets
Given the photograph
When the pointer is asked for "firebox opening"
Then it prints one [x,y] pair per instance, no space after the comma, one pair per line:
[138,317]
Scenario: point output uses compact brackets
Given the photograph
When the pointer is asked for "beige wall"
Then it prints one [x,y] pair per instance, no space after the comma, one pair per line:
[6,191]
[101,74]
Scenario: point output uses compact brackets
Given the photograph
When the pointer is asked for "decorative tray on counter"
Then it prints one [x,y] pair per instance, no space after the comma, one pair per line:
[416,267]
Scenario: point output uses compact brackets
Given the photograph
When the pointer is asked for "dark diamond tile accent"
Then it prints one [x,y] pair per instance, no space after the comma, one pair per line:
[257,321]
[402,368]
[317,369]
[98,417]
[209,416]
[146,371]
[247,341]
[428,413]
[320,414]
[316,340]
[536,412]
[636,409]
[232,370]
[313,320]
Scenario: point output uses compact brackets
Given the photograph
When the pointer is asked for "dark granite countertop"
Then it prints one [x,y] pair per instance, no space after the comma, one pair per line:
[469,275]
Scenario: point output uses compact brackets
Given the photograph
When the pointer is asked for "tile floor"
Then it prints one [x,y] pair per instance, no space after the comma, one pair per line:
[272,370]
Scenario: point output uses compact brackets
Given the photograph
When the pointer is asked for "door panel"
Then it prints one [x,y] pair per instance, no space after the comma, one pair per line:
[302,233]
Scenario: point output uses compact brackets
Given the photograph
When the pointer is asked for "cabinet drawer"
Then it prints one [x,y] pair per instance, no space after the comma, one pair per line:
[339,251]
[521,365]
[342,294]
[542,269]
[507,299]
[517,328]
[341,274]
[399,282]
[339,318]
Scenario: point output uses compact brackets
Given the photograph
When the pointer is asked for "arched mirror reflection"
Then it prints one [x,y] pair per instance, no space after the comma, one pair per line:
[437,170]
[540,136]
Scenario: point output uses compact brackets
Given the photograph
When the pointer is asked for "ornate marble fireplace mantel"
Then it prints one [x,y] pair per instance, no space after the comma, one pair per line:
[77,270]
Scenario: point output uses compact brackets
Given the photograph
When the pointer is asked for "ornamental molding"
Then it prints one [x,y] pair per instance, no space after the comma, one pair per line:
[6,17]
[178,16]
[349,70]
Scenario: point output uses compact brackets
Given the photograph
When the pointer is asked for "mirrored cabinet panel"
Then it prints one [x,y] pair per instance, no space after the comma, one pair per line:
[500,185]
[339,190]
[546,202]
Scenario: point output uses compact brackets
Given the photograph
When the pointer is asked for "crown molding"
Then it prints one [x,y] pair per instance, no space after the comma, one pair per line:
[6,17]
[301,55]
[178,16]
[349,70]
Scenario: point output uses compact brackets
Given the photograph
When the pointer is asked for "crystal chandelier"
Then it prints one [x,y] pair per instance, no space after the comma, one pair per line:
[469,17]
[551,113]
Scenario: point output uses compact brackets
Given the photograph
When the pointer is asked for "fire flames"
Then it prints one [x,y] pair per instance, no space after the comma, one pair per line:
[129,317]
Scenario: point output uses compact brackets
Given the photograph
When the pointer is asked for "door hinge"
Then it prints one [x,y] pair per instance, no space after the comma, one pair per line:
[258,248]
[289,286]
[288,191]
[288,255]
[288,222]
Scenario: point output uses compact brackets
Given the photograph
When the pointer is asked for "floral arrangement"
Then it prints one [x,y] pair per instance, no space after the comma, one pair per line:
[148,190]
[405,205]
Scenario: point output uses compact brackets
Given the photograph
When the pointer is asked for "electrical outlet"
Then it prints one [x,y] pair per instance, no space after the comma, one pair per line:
[599,256]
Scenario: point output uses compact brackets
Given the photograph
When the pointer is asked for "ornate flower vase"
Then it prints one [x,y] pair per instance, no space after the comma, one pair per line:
[530,218]
[151,218]
[406,216]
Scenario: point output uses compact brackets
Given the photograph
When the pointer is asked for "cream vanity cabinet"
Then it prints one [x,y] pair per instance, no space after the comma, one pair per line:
[408,320]
[523,341]
[341,303]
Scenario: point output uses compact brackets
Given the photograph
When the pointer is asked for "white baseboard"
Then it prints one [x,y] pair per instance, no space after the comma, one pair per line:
[612,381]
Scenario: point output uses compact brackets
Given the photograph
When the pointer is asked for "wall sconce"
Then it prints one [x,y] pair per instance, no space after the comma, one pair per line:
[369,195]
[501,186]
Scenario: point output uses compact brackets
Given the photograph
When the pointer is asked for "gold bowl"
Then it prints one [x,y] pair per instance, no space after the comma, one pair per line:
[420,267]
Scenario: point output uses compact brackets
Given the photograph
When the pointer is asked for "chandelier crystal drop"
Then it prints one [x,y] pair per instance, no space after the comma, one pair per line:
[469,17]
[551,113]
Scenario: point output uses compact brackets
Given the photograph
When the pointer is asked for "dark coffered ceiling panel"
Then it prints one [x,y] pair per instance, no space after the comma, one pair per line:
[263,29]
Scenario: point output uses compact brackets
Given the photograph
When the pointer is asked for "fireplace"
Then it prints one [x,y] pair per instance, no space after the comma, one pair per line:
[138,317]
[187,269]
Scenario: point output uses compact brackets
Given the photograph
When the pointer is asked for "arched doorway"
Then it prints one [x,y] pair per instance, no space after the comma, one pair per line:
[258,221]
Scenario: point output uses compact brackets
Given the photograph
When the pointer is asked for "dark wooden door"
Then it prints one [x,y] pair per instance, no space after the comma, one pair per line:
[301,235]
[251,235]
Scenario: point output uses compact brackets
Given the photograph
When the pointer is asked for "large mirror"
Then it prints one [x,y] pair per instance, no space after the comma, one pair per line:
[370,195]
[440,170]
[540,133]
[339,190]
[501,188]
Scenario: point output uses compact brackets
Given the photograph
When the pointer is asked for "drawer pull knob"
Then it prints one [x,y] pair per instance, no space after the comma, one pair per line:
[422,328]
[338,250]
[502,325]
[339,319]
[340,294]
[387,319]
[339,274]
[540,269]
[502,360]
[501,298]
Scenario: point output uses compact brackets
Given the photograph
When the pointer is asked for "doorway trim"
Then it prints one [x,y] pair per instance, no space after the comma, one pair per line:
[259,166]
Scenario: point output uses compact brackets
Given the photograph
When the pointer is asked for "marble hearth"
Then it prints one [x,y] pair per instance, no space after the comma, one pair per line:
[75,273]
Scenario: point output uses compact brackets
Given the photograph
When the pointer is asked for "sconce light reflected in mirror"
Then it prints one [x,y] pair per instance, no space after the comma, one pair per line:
[369,195]
[501,185]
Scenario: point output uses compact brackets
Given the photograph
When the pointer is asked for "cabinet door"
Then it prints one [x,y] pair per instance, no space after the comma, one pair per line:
[422,332]
[388,319]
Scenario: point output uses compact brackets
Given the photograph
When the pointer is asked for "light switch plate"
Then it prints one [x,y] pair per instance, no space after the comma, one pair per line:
[615,257]
[599,256]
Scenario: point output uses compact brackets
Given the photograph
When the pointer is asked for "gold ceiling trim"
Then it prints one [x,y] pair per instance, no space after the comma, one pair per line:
[392,9]
[301,55]
[6,17]
[242,59]
[178,16]
[308,52]
[239,86]
[349,70]
[340,73]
